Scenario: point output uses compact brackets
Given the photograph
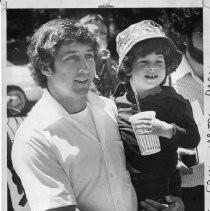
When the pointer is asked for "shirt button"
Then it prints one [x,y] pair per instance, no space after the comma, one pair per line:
[111,175]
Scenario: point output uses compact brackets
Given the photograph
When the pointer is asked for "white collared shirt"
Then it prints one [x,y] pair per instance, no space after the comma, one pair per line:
[61,163]
[190,87]
[187,83]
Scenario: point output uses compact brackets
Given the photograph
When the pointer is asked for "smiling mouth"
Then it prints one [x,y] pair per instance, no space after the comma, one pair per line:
[150,76]
[82,80]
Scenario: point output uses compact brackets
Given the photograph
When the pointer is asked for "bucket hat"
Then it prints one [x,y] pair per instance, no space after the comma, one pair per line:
[141,31]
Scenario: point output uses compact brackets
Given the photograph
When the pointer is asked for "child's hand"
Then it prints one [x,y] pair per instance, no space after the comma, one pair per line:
[154,126]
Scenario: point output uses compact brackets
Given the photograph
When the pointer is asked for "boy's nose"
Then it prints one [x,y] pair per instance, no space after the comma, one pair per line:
[152,68]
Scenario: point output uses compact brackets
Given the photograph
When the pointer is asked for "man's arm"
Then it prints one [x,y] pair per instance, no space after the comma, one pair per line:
[45,182]
[176,204]
[67,208]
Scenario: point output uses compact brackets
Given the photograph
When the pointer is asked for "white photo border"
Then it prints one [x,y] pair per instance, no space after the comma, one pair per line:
[51,4]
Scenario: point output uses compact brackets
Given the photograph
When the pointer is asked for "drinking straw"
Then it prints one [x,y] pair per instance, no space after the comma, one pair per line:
[136,97]
[137,102]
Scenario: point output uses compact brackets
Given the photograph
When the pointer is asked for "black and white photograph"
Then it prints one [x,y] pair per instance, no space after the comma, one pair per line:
[105,105]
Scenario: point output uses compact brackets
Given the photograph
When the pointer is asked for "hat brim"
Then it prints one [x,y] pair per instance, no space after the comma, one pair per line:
[174,58]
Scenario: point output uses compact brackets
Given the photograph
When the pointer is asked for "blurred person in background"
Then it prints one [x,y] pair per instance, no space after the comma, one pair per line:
[188,81]
[105,77]
[13,122]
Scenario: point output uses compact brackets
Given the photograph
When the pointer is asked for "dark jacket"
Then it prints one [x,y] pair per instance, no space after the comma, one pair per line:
[169,107]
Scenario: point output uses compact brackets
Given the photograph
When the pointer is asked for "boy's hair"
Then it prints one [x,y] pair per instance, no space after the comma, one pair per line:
[141,49]
[47,41]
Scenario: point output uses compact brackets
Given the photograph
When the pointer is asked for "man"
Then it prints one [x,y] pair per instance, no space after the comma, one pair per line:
[105,78]
[68,152]
[188,81]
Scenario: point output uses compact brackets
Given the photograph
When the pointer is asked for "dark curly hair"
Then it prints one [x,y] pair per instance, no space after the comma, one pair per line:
[142,49]
[46,42]
[180,24]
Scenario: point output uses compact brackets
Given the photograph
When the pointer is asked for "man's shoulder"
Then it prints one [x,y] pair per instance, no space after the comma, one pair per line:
[38,119]
[33,135]
[31,127]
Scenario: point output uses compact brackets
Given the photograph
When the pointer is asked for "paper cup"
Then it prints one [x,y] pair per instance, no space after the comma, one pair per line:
[148,143]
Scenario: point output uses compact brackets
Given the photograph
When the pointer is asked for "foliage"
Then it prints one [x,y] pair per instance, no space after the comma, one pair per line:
[22,23]
[179,22]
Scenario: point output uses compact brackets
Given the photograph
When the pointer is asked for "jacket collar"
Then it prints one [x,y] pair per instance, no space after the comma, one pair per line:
[125,88]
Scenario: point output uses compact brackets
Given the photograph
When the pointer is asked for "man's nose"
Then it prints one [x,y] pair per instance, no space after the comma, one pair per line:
[83,65]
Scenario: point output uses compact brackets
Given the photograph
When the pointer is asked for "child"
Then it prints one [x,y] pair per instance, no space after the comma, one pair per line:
[146,57]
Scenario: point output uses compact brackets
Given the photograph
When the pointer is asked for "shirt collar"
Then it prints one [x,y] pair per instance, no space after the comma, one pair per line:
[48,110]
[53,105]
[185,68]
[55,109]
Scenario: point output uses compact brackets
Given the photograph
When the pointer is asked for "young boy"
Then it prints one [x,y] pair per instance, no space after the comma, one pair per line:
[146,57]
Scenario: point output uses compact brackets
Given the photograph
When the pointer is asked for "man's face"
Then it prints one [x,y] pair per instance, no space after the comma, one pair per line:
[74,70]
[100,31]
[195,46]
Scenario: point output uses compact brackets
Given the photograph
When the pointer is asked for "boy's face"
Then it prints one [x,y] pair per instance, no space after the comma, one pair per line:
[148,72]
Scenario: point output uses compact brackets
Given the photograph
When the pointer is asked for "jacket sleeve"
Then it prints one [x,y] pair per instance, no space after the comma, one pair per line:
[186,130]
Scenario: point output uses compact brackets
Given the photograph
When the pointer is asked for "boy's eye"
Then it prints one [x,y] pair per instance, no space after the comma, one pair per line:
[142,62]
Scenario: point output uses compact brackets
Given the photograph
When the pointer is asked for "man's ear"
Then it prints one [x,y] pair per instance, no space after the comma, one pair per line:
[46,69]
